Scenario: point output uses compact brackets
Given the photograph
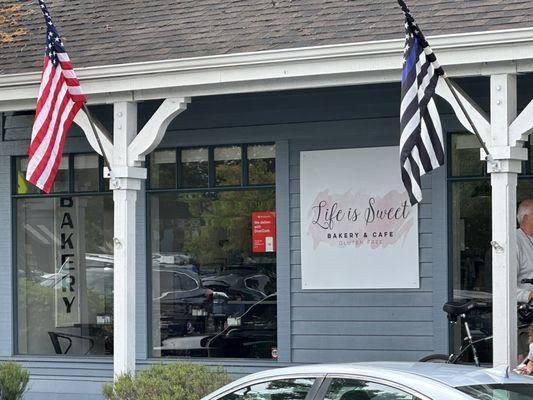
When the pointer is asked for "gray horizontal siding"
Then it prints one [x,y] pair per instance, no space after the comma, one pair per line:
[351,355]
[361,325]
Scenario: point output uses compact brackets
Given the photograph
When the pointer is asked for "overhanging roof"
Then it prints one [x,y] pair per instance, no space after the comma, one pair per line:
[104,32]
[360,62]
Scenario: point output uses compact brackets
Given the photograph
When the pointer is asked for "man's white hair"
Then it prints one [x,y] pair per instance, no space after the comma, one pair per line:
[525,208]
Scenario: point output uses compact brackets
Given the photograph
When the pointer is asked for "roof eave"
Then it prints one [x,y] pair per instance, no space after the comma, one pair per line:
[467,54]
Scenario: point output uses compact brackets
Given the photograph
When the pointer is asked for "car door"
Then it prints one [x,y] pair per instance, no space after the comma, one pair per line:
[355,388]
[290,388]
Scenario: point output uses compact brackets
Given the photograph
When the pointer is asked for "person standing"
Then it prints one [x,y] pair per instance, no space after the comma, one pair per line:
[524,242]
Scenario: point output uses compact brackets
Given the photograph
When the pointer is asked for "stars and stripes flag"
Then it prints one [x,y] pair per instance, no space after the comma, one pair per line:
[421,142]
[59,100]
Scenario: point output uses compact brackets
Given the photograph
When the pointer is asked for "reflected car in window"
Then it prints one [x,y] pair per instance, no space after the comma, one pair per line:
[252,334]
[242,286]
[379,381]
[182,300]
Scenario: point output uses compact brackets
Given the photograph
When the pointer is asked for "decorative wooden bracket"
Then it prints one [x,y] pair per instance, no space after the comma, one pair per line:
[152,133]
[522,126]
[82,121]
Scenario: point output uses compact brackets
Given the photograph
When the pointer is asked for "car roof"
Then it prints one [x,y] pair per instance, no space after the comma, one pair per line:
[448,374]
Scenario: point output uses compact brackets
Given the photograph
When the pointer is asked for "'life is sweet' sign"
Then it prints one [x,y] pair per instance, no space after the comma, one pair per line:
[358,230]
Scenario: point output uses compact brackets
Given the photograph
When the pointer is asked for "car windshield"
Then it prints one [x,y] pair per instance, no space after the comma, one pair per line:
[512,391]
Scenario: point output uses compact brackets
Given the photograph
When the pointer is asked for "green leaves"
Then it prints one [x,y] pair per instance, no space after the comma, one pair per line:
[13,381]
[180,381]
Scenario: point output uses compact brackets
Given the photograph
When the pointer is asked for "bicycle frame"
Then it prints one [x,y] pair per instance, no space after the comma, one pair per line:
[471,344]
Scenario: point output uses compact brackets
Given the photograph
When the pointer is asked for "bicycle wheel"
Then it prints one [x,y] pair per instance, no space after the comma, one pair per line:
[435,358]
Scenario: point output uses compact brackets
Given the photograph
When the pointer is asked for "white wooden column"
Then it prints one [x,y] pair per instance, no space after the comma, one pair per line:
[126,154]
[503,175]
[125,183]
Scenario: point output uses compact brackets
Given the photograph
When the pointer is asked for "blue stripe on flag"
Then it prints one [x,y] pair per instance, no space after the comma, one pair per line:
[411,59]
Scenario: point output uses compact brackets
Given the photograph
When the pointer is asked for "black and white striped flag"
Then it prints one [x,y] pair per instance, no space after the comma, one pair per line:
[421,142]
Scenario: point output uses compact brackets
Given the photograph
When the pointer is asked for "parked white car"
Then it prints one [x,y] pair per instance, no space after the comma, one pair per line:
[379,381]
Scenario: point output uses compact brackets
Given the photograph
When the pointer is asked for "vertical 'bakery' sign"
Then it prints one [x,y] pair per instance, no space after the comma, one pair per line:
[358,229]
[67,266]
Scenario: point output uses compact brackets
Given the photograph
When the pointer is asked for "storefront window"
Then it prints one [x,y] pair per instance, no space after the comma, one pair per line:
[194,167]
[64,268]
[163,169]
[61,182]
[471,232]
[213,280]
[261,165]
[86,173]
[228,166]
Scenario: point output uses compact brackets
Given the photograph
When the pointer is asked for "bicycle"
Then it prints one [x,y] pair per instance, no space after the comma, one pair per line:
[460,312]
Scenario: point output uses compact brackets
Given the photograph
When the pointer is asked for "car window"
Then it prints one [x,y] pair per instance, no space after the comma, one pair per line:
[352,389]
[286,389]
[188,283]
[512,391]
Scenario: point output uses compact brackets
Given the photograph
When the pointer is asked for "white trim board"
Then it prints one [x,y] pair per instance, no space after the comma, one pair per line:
[468,54]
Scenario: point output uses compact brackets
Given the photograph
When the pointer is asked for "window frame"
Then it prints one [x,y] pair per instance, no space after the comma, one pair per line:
[210,188]
[313,392]
[526,174]
[359,377]
[15,197]
[70,192]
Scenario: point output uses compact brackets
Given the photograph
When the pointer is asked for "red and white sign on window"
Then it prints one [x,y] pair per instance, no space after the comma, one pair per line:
[263,231]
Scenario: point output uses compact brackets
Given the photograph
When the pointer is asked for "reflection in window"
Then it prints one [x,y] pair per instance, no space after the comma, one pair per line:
[86,174]
[471,232]
[228,166]
[64,275]
[22,185]
[212,296]
[163,169]
[261,164]
[509,391]
[194,168]
[351,389]
[61,181]
[286,389]
[465,156]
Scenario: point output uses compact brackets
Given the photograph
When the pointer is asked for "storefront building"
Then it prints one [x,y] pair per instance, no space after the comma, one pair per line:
[219,247]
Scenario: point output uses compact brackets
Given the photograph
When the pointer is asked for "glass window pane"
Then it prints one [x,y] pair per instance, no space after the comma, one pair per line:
[22,185]
[195,167]
[60,182]
[62,177]
[65,275]
[212,295]
[163,169]
[351,389]
[465,156]
[286,389]
[471,255]
[228,166]
[262,164]
[86,176]
[497,391]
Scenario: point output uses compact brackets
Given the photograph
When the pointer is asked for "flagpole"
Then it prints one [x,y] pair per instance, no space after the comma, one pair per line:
[474,129]
[106,160]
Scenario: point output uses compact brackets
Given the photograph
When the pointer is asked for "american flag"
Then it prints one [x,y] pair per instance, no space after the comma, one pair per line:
[60,98]
[421,142]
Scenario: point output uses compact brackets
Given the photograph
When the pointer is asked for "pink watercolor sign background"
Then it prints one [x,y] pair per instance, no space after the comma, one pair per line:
[358,229]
